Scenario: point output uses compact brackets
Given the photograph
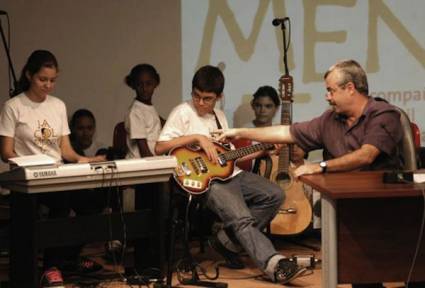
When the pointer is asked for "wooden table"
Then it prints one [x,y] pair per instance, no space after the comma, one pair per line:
[370,229]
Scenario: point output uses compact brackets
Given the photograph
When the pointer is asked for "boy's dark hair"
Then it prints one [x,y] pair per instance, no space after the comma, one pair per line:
[267,91]
[208,79]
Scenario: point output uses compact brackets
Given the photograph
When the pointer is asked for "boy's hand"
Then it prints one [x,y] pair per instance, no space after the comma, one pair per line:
[209,148]
[276,150]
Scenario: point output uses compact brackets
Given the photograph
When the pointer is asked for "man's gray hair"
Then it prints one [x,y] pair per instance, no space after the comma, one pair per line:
[350,71]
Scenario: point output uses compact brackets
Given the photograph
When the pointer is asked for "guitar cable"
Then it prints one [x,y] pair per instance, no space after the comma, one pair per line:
[112,186]
[138,279]
[188,261]
[419,241]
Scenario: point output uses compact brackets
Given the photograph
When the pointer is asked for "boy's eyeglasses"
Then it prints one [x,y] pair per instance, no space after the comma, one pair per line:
[206,100]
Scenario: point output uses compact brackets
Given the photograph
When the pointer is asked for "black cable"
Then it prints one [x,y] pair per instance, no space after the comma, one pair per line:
[418,243]
[11,72]
[421,232]
[8,47]
[289,36]
[113,183]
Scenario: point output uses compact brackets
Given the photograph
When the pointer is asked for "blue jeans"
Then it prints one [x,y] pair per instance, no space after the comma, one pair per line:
[246,204]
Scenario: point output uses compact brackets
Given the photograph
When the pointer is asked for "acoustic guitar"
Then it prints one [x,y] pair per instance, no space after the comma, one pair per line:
[295,214]
[194,171]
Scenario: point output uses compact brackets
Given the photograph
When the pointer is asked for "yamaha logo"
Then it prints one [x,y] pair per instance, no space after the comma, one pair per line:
[47,173]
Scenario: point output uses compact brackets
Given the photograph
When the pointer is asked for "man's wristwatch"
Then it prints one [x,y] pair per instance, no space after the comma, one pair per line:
[324,166]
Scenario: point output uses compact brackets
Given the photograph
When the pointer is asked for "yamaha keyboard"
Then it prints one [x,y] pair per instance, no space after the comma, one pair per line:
[48,178]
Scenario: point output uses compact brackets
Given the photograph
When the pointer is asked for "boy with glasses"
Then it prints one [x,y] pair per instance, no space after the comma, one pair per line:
[247,202]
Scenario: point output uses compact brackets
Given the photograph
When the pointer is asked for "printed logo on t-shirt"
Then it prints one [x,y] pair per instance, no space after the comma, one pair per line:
[44,136]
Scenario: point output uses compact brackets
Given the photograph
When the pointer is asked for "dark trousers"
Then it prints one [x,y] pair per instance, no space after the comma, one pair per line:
[83,202]
[59,207]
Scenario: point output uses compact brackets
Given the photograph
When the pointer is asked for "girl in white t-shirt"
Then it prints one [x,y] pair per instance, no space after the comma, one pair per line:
[142,121]
[143,125]
[35,122]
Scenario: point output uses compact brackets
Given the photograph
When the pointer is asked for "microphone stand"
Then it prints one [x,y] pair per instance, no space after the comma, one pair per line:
[287,93]
[285,45]
[12,92]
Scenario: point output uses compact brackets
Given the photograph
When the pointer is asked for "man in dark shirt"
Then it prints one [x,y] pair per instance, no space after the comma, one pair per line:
[357,133]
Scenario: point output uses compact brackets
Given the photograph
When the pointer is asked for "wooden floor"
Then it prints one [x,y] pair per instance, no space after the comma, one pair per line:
[250,277]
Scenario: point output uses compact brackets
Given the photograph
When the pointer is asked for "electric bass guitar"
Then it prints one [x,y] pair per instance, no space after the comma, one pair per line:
[194,171]
[295,214]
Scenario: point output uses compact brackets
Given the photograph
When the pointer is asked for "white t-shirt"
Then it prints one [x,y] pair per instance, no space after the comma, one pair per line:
[184,120]
[37,127]
[142,122]
[93,148]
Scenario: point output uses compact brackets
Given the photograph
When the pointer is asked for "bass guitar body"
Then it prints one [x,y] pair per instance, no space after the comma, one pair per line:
[194,171]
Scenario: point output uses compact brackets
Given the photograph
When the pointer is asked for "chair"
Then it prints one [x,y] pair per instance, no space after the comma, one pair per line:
[254,167]
[410,140]
[239,143]
[407,147]
[416,135]
[119,142]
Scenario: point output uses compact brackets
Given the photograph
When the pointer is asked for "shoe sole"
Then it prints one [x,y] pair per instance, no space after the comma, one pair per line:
[299,273]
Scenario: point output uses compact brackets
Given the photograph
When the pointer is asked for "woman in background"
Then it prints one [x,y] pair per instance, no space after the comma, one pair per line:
[34,122]
[265,104]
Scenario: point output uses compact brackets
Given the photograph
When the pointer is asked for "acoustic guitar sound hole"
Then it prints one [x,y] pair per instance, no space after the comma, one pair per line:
[283,180]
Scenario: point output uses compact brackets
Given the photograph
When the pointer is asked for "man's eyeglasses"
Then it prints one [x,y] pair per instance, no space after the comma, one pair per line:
[332,91]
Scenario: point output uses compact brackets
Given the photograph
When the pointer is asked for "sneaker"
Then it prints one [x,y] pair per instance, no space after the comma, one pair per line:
[86,265]
[113,251]
[52,278]
[233,261]
[82,266]
[287,270]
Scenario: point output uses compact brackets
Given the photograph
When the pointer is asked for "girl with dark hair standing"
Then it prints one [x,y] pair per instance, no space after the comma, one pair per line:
[34,122]
[143,125]
[142,122]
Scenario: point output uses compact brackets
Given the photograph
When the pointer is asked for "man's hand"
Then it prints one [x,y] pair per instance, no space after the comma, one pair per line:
[225,135]
[297,155]
[309,168]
